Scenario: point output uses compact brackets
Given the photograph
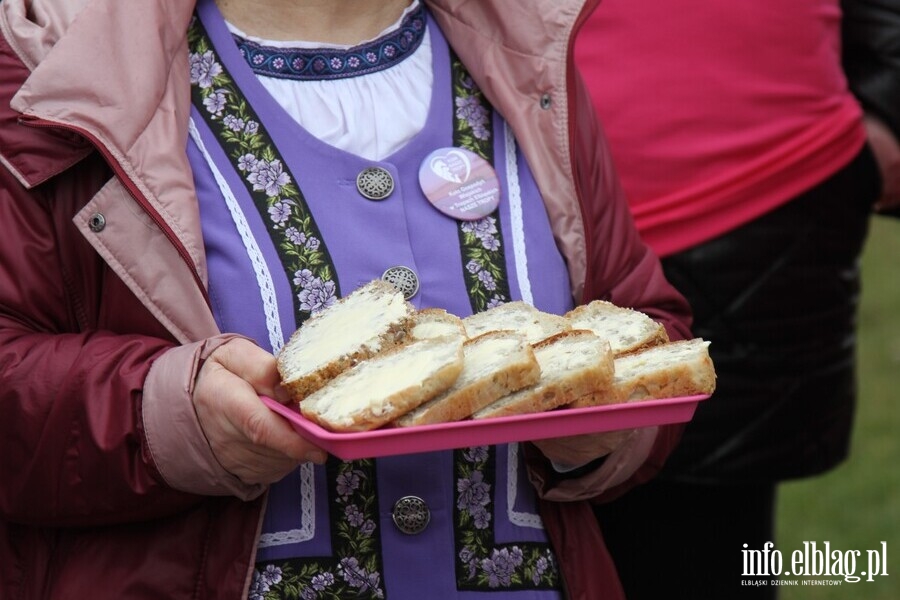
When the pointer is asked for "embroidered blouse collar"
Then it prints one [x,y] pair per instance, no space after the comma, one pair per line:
[301,63]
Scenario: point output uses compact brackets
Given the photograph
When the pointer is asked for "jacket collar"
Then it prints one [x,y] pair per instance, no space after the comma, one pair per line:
[32,154]
[124,89]
[85,66]
[81,69]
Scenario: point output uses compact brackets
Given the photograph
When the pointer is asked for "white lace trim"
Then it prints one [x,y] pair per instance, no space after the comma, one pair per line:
[307,515]
[260,268]
[522,519]
[516,216]
[517,222]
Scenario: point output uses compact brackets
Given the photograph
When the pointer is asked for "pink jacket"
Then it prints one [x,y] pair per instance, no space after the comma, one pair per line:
[107,486]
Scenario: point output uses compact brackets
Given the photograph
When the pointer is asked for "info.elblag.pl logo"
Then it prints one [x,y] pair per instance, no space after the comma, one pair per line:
[813,561]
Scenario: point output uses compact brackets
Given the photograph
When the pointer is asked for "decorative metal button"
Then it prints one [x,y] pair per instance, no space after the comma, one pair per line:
[375,183]
[404,279]
[411,515]
[97,222]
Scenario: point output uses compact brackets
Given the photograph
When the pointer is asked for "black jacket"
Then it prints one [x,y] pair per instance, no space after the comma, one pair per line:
[871,54]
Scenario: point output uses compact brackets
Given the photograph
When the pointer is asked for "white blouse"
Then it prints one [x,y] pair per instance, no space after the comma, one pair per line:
[371,115]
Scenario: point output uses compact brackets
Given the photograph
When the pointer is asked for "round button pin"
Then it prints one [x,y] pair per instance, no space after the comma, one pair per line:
[459,183]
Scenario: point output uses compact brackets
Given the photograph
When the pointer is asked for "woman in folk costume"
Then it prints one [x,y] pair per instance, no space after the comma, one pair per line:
[182,186]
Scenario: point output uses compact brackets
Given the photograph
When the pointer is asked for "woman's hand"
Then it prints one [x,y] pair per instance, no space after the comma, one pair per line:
[577,450]
[886,148]
[249,440]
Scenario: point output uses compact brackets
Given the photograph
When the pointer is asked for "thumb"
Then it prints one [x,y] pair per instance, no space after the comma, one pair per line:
[252,364]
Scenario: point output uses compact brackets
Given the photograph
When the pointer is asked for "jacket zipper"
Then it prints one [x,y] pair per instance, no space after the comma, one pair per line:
[135,193]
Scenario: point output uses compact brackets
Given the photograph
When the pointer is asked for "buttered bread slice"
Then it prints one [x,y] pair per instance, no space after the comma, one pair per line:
[495,364]
[384,387]
[672,370]
[369,320]
[435,322]
[534,324]
[627,330]
[574,364]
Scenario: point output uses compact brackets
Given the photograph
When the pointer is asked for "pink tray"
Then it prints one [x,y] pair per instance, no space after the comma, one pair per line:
[444,436]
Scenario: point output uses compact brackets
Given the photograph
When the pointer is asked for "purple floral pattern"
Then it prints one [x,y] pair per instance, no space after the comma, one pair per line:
[280,203]
[485,266]
[481,564]
[355,569]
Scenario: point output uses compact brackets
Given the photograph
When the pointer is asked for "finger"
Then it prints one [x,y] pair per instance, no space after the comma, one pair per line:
[250,363]
[581,449]
[254,422]
[249,441]
[252,466]
[267,429]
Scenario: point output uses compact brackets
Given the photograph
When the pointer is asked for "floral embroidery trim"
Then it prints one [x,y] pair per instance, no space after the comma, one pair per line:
[355,569]
[480,564]
[484,267]
[270,184]
[323,63]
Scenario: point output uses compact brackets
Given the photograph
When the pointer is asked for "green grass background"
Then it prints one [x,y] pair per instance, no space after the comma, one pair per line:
[857,505]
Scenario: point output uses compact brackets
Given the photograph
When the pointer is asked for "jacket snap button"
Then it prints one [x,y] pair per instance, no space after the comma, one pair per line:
[411,515]
[546,101]
[97,222]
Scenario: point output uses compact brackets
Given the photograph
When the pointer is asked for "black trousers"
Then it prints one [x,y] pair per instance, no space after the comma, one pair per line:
[777,298]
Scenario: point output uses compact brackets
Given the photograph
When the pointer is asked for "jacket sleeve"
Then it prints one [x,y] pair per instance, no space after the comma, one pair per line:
[623,270]
[871,56]
[71,434]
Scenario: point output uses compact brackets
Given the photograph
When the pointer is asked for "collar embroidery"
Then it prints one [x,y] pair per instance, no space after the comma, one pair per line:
[306,64]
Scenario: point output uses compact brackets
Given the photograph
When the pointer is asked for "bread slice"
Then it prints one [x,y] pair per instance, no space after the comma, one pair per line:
[626,329]
[435,322]
[519,316]
[369,320]
[671,370]
[573,364]
[381,388]
[495,364]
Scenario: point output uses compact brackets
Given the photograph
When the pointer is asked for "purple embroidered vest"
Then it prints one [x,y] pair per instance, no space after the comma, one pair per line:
[286,232]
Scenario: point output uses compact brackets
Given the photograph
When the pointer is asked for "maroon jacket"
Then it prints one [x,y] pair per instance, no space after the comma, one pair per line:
[107,487]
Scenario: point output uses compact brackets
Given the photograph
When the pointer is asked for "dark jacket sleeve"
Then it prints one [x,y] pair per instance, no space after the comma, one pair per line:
[871,56]
[75,348]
